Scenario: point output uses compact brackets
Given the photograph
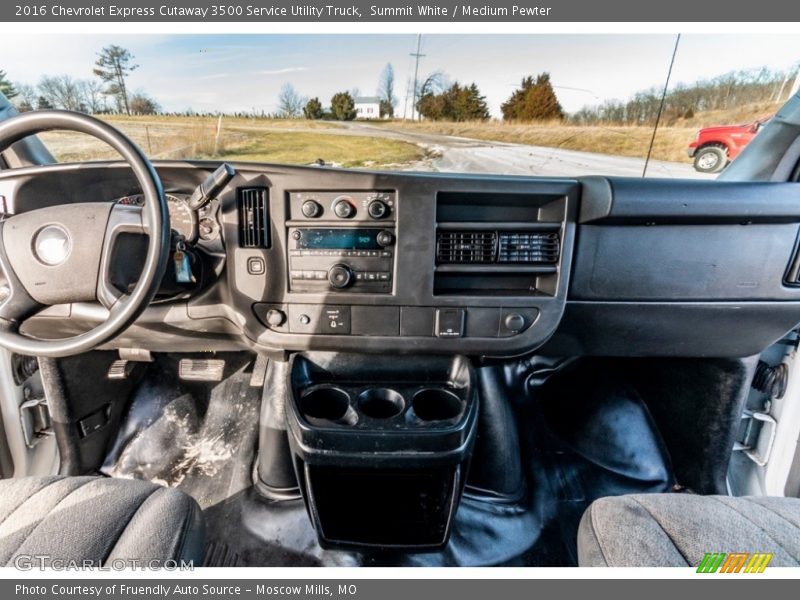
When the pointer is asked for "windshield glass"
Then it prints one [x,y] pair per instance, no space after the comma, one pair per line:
[561,105]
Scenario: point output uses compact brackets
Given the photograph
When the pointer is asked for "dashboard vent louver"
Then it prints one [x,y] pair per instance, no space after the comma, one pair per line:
[497,247]
[528,247]
[253,217]
[466,247]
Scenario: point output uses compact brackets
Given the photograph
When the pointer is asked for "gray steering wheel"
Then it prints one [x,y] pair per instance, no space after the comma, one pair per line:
[62,254]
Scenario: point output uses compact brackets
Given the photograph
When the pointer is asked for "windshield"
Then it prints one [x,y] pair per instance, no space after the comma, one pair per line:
[555,105]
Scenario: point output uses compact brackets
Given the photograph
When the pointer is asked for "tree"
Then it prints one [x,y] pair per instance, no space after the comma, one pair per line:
[61,91]
[535,100]
[42,103]
[343,107]
[142,104]
[92,94]
[6,87]
[313,109]
[113,66]
[386,91]
[26,98]
[290,102]
[456,103]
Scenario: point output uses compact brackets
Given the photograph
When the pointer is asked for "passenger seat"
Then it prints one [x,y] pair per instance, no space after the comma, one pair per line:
[98,519]
[677,530]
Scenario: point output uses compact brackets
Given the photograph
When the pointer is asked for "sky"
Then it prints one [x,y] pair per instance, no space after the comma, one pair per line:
[244,73]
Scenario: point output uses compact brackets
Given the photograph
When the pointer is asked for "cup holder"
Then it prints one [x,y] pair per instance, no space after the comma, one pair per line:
[436,404]
[327,403]
[381,403]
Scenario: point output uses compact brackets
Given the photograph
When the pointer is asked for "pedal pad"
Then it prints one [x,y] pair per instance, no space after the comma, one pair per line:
[201,369]
[119,369]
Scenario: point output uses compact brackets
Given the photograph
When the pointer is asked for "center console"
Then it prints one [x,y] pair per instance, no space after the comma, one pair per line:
[381,445]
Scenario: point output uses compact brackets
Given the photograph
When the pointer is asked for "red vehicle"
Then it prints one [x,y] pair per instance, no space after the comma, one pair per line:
[715,147]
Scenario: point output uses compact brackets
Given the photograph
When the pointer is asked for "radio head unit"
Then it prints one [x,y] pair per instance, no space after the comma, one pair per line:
[356,259]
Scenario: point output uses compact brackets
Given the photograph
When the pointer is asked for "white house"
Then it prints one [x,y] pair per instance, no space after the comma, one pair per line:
[368,107]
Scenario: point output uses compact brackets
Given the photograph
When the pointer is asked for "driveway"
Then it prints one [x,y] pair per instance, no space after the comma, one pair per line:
[466,155]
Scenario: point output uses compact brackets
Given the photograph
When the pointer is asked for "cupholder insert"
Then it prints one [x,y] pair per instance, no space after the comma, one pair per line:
[381,403]
[328,403]
[436,404]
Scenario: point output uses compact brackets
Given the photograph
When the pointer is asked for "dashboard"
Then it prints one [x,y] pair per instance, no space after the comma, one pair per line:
[299,258]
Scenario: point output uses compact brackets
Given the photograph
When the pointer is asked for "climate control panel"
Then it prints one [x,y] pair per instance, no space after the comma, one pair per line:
[371,206]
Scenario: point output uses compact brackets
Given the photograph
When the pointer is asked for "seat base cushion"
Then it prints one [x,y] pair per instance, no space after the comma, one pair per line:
[98,520]
[677,530]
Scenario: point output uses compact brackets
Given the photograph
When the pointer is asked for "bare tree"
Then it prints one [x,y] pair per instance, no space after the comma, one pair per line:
[26,98]
[61,91]
[113,66]
[290,102]
[92,94]
[386,91]
[142,104]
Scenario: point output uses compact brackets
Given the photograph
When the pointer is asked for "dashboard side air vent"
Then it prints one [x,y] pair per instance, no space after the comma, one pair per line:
[466,247]
[253,204]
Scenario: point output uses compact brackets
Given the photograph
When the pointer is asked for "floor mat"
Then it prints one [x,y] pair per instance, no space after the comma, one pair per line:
[194,436]
[581,438]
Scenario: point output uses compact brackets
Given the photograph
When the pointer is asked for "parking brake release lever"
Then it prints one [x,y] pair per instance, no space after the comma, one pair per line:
[211,186]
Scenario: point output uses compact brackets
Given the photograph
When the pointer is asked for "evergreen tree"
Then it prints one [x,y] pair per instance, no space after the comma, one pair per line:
[343,107]
[535,100]
[313,109]
[6,87]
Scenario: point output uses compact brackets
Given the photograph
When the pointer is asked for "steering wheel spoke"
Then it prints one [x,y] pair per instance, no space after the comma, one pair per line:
[16,304]
[123,219]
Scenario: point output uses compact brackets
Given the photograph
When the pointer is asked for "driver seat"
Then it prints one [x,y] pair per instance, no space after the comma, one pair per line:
[97,520]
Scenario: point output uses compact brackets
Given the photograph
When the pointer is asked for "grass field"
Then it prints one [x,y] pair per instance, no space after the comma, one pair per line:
[670,143]
[300,141]
[258,140]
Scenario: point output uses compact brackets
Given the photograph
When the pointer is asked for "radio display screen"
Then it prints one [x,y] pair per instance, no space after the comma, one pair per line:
[339,239]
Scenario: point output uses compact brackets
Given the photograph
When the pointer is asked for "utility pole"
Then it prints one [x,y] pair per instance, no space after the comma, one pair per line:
[417,56]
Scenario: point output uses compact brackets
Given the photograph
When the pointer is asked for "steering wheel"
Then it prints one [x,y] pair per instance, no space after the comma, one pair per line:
[62,254]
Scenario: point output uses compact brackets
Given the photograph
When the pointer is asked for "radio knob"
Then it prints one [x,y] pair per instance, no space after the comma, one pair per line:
[343,209]
[385,238]
[340,276]
[377,209]
[311,209]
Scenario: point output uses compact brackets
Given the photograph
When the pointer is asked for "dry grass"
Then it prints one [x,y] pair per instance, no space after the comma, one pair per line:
[670,143]
[257,140]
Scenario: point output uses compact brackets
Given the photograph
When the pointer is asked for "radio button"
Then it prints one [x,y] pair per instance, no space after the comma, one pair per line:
[384,276]
[297,275]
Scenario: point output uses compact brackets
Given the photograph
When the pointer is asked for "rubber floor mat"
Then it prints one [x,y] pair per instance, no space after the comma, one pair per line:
[193,436]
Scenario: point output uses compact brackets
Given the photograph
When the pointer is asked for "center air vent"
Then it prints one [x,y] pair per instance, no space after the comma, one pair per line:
[253,217]
[472,247]
[503,247]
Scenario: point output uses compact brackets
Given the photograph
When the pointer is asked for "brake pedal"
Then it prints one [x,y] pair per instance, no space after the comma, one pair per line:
[202,369]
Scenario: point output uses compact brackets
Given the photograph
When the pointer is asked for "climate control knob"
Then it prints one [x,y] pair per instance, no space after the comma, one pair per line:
[311,209]
[343,208]
[340,276]
[377,209]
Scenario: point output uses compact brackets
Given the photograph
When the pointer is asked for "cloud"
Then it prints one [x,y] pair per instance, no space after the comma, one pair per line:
[283,71]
